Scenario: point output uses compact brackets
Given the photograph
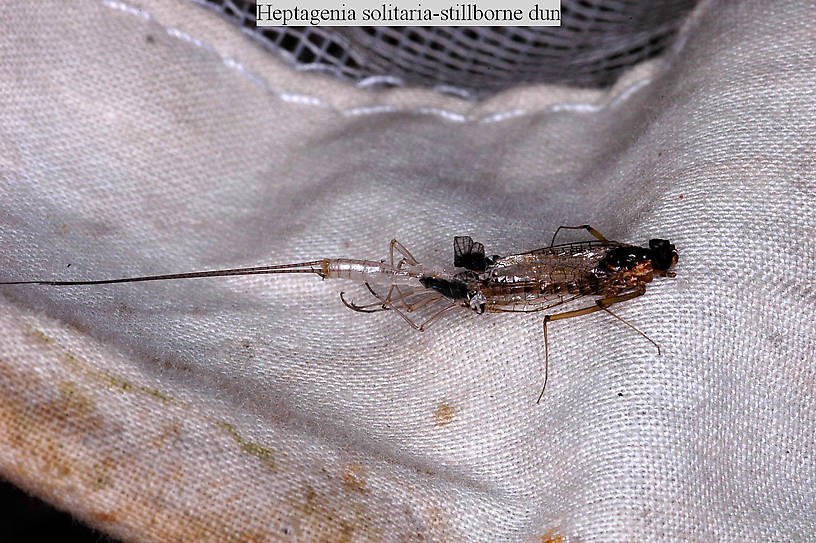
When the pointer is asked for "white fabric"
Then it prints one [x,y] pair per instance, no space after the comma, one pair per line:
[153,137]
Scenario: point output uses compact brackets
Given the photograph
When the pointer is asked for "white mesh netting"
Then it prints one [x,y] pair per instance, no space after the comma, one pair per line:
[595,43]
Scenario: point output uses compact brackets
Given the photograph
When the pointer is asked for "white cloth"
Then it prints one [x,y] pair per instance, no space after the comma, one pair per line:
[154,137]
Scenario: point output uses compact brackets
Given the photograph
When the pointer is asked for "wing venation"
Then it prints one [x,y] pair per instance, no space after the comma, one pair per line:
[468,254]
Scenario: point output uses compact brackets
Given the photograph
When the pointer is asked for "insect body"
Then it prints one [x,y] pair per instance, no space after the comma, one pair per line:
[548,277]
[542,279]
[608,271]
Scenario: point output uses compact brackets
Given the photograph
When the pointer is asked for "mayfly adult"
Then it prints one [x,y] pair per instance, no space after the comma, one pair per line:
[608,271]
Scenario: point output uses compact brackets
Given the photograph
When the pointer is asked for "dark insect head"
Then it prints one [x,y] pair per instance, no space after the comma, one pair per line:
[664,255]
[660,253]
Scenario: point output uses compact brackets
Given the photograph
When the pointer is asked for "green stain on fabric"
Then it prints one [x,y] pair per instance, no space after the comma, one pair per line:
[257,450]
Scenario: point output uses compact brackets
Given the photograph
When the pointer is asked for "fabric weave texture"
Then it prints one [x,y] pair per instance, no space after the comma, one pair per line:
[156,138]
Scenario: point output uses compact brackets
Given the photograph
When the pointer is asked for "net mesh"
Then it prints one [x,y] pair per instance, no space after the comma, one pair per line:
[597,40]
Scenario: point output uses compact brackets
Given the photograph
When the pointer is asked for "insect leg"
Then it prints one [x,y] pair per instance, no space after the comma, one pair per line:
[387,304]
[425,325]
[417,299]
[586,227]
[600,305]
[421,302]
[410,301]
[362,308]
[546,363]
[604,304]
[406,255]
[632,326]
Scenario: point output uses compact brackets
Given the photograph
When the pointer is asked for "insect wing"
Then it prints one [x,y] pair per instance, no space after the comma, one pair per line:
[544,278]
[468,254]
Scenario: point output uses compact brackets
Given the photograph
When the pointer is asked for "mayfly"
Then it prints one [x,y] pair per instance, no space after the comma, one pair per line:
[608,271]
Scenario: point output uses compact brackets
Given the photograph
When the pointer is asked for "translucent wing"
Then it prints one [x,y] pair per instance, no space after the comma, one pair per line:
[468,254]
[545,278]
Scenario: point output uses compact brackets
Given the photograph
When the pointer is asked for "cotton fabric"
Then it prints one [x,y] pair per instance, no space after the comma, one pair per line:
[155,138]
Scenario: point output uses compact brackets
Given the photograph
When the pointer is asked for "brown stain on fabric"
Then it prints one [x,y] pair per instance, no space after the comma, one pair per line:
[37,337]
[444,414]
[552,537]
[48,429]
[61,455]
[11,382]
[338,510]
[354,477]
[73,408]
[115,383]
[169,433]
[56,461]
[104,517]
[438,523]
[336,517]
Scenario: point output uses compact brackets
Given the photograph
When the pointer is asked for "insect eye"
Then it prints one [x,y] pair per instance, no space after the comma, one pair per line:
[664,255]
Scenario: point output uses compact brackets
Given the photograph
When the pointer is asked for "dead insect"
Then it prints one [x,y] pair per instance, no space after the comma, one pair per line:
[538,280]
